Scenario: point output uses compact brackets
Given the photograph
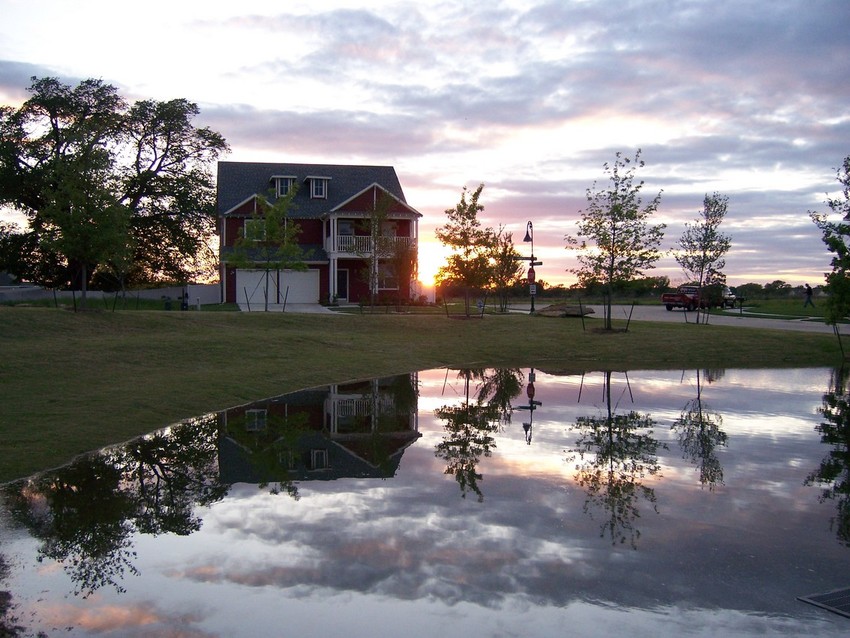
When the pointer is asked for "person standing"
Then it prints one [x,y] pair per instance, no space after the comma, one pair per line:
[808,301]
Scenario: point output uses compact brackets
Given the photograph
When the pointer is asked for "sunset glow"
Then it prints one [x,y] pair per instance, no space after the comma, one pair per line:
[432,255]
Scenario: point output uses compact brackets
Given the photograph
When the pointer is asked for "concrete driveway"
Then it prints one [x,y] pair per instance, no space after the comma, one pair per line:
[309,308]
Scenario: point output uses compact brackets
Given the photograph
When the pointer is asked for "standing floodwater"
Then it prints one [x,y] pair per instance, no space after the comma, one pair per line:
[453,502]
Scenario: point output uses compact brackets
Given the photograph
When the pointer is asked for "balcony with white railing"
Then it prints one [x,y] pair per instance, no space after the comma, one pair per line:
[363,244]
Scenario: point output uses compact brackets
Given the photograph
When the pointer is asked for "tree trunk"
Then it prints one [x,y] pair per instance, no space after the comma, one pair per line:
[83,285]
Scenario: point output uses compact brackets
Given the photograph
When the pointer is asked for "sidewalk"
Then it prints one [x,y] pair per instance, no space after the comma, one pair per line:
[734,317]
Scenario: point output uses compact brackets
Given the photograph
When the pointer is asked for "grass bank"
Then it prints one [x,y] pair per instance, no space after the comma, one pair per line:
[72,382]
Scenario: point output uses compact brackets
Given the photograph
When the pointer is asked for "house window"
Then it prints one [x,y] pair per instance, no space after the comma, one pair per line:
[284,184]
[345,227]
[255,229]
[255,420]
[387,279]
[286,459]
[318,187]
[319,460]
[389,229]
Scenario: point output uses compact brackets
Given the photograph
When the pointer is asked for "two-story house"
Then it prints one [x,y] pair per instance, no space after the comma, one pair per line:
[338,209]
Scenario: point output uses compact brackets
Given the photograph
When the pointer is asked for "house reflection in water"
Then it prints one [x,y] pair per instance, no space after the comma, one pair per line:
[351,430]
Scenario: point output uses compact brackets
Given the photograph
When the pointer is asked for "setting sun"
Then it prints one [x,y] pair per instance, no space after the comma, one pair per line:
[432,255]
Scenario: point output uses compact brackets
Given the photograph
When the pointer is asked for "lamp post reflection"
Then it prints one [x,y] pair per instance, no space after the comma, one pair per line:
[532,405]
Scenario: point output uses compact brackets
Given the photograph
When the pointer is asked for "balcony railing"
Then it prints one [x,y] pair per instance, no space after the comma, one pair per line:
[363,244]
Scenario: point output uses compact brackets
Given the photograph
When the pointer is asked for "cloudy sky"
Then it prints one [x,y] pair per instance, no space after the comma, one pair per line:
[749,99]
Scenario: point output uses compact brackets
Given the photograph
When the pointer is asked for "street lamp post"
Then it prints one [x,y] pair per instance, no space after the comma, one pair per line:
[532,286]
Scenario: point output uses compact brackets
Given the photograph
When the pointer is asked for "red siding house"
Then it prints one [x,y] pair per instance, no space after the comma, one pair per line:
[334,207]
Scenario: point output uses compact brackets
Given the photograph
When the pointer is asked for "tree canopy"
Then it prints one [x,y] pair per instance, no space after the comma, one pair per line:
[623,245]
[269,241]
[702,246]
[836,236]
[472,244]
[507,268]
[108,186]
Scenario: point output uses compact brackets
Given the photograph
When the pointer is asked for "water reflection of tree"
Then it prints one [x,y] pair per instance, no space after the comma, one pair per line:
[700,435]
[469,426]
[171,472]
[81,515]
[834,471]
[9,627]
[86,513]
[498,388]
[616,452]
[392,405]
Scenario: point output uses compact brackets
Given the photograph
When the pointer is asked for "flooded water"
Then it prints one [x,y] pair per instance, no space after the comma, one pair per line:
[454,503]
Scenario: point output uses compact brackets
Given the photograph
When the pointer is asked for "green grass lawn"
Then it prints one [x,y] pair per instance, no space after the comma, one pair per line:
[792,308]
[73,382]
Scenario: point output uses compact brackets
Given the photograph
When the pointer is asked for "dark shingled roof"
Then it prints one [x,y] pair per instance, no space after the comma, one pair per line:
[237,181]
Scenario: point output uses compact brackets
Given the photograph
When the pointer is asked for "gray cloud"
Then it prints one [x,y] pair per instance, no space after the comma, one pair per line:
[16,77]
[337,133]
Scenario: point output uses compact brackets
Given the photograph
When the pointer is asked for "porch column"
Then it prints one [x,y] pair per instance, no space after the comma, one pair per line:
[332,284]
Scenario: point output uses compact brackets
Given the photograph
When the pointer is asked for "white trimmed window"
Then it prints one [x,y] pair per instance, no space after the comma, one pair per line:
[318,187]
[255,420]
[284,184]
[319,460]
[387,279]
[255,229]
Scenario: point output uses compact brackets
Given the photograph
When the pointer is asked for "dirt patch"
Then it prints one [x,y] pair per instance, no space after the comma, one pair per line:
[565,310]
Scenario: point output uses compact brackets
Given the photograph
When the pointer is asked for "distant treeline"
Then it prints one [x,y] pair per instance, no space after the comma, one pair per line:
[638,289]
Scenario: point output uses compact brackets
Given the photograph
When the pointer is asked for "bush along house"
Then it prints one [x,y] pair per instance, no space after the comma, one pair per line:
[356,238]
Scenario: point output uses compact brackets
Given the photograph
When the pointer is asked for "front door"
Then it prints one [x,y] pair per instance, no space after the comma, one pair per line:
[342,285]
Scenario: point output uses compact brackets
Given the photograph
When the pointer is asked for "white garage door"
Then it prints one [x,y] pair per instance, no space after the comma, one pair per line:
[303,286]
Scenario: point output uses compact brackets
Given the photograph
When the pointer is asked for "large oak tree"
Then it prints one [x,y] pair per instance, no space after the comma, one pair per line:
[108,186]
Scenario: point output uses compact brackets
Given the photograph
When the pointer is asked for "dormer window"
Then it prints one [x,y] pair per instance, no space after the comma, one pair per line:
[283,184]
[318,187]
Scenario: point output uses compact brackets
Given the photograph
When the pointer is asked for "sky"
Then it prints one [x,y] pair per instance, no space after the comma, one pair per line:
[744,98]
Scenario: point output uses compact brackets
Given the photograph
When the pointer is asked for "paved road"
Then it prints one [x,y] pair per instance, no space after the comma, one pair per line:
[640,313]
[729,318]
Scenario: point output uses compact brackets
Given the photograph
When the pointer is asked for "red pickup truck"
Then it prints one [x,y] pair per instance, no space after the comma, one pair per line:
[689,298]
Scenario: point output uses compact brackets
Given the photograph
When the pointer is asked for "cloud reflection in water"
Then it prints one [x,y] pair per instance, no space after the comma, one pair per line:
[723,535]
